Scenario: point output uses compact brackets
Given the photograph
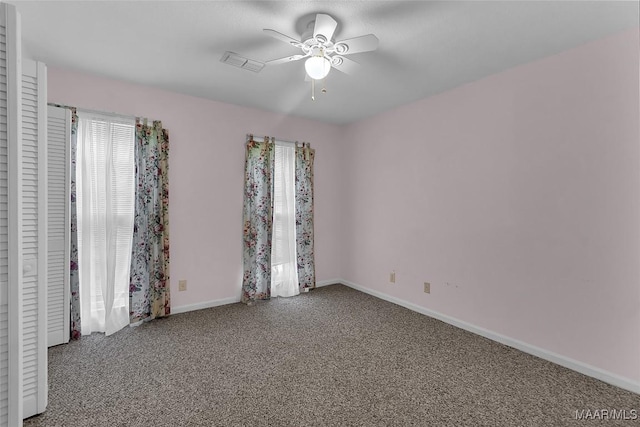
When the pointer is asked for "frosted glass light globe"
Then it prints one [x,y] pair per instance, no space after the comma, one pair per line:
[317,67]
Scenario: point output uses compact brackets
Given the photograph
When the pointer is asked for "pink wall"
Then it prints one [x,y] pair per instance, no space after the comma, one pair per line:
[206,167]
[517,197]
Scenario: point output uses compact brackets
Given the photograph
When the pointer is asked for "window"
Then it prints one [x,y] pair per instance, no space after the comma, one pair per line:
[284,270]
[105,204]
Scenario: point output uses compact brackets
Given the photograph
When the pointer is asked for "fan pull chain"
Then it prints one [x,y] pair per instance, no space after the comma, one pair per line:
[313,89]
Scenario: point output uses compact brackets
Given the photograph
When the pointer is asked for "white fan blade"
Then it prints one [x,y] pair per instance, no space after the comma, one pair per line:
[282,37]
[345,65]
[357,44]
[325,26]
[285,59]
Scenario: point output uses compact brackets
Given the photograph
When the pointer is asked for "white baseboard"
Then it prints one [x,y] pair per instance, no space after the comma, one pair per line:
[232,300]
[205,304]
[558,359]
[328,282]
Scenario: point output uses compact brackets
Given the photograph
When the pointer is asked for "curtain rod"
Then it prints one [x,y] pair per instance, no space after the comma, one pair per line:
[261,139]
[104,113]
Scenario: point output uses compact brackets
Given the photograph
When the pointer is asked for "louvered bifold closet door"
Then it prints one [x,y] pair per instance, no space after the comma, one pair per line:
[11,265]
[58,226]
[34,238]
[4,232]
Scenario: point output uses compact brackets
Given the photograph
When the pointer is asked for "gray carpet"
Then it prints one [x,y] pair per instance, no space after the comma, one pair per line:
[332,357]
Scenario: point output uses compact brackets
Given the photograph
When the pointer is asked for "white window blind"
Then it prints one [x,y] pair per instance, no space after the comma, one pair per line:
[105,201]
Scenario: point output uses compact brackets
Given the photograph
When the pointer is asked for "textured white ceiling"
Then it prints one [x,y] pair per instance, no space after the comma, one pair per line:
[426,47]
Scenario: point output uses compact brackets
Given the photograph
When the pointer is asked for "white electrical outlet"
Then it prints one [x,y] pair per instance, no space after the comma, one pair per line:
[392,277]
[182,285]
[427,287]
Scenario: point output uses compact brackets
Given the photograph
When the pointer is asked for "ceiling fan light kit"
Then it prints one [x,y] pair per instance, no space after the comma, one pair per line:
[321,52]
[317,67]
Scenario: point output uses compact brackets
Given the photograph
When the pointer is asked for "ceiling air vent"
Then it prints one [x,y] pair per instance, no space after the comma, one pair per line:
[241,62]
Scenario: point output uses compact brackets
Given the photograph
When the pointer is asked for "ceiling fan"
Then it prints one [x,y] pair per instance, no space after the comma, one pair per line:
[321,51]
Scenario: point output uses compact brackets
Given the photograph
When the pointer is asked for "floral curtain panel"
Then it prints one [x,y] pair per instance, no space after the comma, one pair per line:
[74,276]
[149,295]
[304,216]
[257,219]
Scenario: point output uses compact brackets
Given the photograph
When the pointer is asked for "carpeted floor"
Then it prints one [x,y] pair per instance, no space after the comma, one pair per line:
[332,357]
